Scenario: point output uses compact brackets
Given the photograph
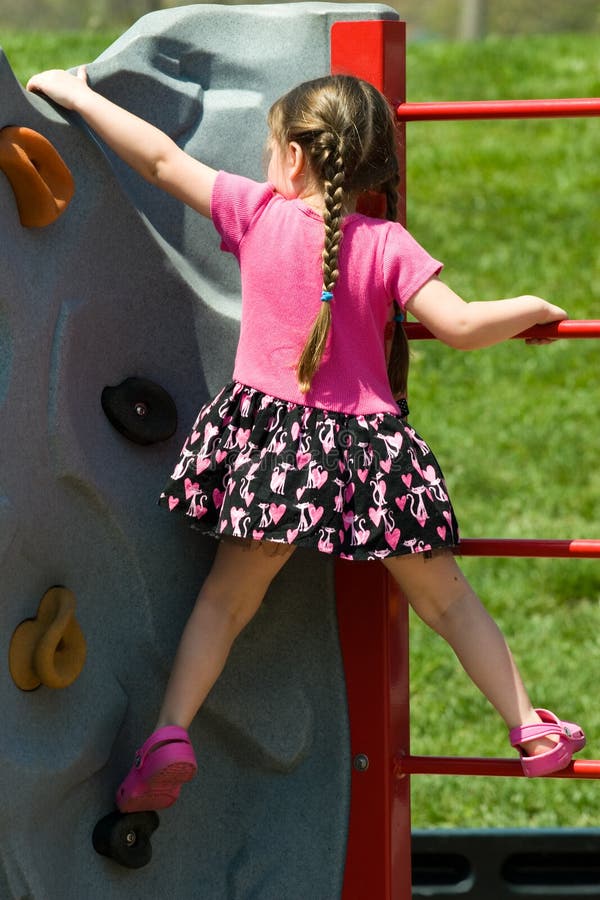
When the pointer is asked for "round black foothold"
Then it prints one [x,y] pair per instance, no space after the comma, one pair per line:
[143,411]
[125,837]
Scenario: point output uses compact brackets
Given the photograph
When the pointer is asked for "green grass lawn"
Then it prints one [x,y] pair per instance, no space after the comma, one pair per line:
[30,51]
[511,207]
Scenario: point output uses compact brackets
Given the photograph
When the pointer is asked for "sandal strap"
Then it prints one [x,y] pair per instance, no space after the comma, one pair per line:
[532,732]
[162,735]
[570,729]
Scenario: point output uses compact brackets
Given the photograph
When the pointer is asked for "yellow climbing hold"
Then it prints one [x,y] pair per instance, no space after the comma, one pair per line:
[50,648]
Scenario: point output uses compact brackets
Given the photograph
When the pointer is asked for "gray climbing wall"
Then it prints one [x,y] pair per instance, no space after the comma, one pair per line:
[128,282]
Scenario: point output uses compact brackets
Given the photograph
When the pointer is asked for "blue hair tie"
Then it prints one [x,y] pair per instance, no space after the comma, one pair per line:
[399,317]
[326,296]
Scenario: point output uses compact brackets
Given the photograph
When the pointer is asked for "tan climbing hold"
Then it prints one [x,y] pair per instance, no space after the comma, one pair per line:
[49,649]
[42,184]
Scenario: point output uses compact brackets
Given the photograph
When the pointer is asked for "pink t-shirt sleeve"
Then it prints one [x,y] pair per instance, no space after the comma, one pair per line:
[235,202]
[407,266]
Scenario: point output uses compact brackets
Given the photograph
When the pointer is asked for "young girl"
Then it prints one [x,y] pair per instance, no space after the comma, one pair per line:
[308,444]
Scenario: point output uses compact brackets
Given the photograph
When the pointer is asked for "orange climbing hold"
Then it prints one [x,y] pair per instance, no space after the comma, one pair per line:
[49,649]
[43,185]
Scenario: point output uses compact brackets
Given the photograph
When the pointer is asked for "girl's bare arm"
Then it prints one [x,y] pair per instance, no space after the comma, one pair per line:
[470,326]
[145,148]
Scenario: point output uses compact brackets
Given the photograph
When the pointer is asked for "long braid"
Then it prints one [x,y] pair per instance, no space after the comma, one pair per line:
[333,196]
[347,130]
[333,188]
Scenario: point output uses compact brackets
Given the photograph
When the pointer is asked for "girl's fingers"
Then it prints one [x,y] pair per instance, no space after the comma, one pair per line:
[37,83]
[32,84]
[557,313]
[59,86]
[82,73]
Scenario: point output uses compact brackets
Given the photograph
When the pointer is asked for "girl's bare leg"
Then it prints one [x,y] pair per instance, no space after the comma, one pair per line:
[440,594]
[230,596]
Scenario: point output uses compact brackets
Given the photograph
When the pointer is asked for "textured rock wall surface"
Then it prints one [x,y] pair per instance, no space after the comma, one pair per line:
[128,282]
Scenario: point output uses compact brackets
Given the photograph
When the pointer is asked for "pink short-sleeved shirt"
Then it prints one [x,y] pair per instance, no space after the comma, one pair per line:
[278,244]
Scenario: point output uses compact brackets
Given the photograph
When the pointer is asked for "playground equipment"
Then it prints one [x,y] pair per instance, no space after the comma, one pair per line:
[127,284]
[292,800]
[377,662]
[49,648]
[41,182]
[141,410]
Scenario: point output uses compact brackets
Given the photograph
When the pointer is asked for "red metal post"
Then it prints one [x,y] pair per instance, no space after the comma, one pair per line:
[587,549]
[499,109]
[376,52]
[569,329]
[373,617]
[457,765]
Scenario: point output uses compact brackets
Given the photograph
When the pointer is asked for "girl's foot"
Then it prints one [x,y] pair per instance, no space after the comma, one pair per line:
[547,745]
[162,765]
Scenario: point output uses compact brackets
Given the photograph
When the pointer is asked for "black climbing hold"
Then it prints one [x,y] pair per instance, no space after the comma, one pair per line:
[141,410]
[125,837]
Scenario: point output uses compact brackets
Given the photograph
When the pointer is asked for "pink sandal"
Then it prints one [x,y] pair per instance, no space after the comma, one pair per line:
[571,739]
[156,777]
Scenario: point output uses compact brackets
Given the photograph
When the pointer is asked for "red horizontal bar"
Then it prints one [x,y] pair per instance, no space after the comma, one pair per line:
[529,547]
[568,329]
[449,765]
[498,109]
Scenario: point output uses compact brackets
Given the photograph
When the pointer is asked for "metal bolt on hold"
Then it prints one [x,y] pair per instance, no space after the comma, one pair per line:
[141,409]
[130,838]
[361,762]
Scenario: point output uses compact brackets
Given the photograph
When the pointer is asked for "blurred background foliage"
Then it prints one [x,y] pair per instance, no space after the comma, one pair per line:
[454,19]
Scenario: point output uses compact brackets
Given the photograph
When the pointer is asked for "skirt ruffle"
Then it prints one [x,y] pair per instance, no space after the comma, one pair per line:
[360,487]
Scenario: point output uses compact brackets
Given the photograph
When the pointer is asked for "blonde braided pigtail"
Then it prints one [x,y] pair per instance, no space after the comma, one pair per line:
[347,129]
[332,218]
[333,186]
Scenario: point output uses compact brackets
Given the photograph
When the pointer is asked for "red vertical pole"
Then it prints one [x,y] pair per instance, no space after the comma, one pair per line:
[376,52]
[373,627]
[372,616]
